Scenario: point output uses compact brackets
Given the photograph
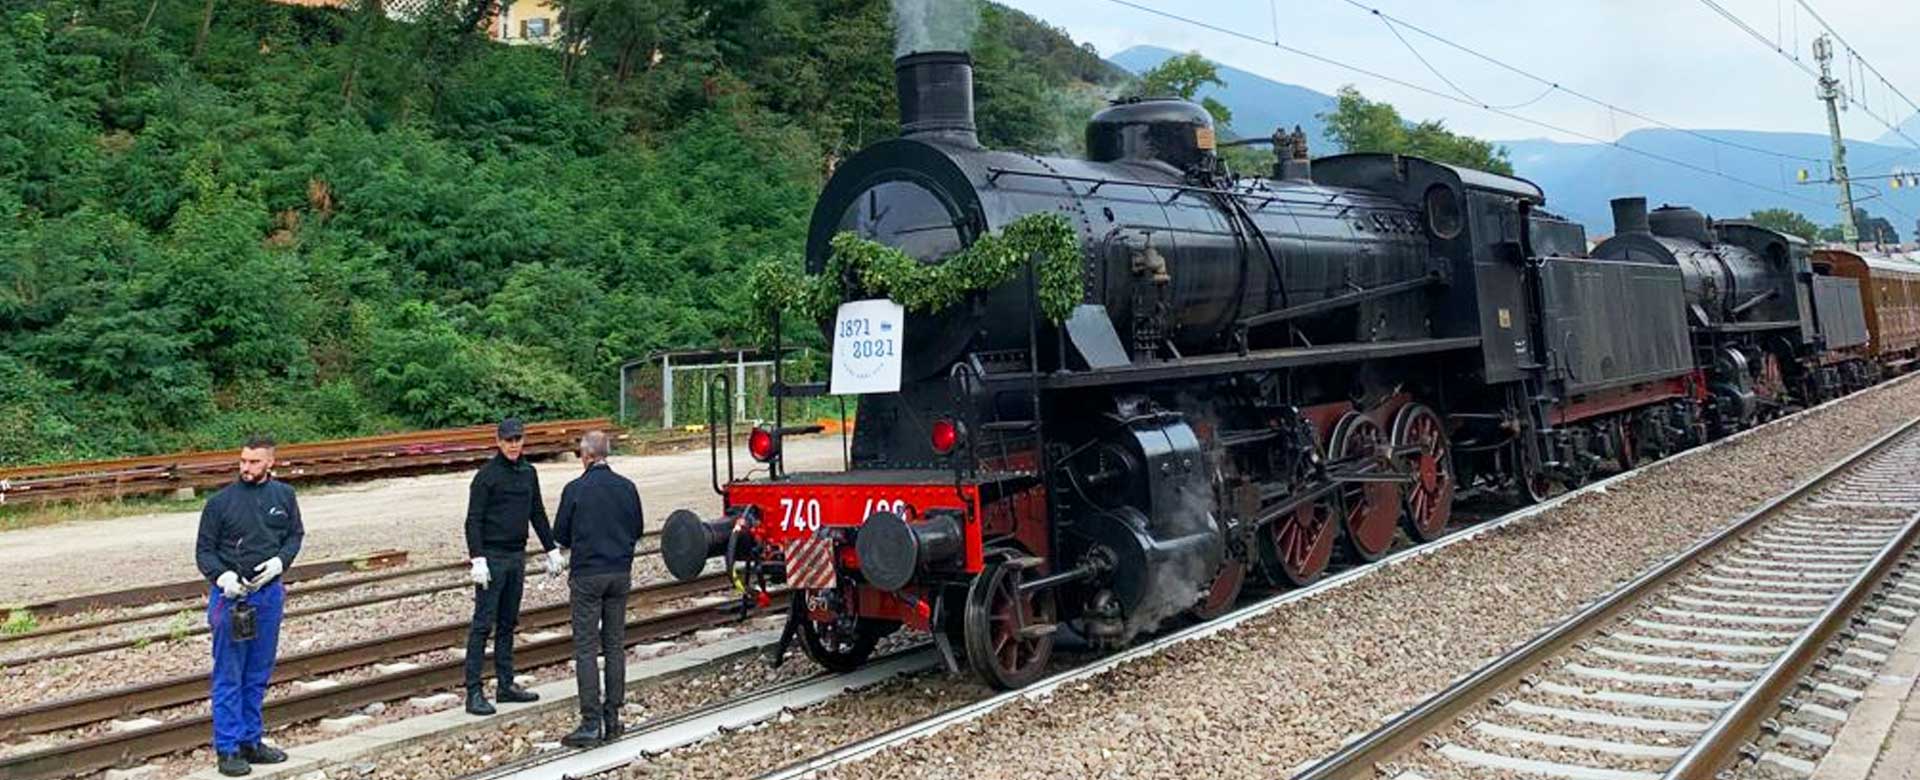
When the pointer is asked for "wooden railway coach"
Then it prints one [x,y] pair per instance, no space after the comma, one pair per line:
[1889,289]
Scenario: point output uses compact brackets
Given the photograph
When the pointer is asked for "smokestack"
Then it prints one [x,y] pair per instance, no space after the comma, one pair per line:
[936,96]
[1630,216]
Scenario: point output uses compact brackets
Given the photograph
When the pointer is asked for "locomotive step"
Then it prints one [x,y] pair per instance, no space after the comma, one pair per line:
[1013,426]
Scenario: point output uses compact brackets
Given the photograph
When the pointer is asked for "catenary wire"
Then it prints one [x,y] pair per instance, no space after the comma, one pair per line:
[1456,99]
[1555,86]
[1851,99]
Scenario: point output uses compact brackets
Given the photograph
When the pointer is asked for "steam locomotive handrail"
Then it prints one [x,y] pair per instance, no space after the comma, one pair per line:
[994,174]
[1340,301]
[1258,360]
[713,431]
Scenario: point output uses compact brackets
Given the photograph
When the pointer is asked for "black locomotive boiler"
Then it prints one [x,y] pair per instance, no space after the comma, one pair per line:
[1265,374]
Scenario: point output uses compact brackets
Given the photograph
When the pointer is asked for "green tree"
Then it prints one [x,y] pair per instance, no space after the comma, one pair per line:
[1787,221]
[1870,228]
[1361,125]
[1183,77]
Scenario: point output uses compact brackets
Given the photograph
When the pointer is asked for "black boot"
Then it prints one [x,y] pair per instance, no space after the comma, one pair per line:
[611,727]
[262,753]
[587,735]
[477,703]
[232,765]
[515,693]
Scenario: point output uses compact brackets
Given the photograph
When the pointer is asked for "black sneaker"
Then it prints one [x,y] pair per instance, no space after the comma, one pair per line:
[477,704]
[232,765]
[587,735]
[515,693]
[612,728]
[262,753]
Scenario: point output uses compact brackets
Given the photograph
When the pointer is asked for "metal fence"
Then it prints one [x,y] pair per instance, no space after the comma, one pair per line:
[671,388]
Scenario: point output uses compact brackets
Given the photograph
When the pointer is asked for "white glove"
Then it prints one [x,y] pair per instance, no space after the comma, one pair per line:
[230,585]
[265,572]
[556,562]
[481,576]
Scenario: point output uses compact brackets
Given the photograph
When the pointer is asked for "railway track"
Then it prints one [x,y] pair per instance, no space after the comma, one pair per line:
[393,453]
[1888,541]
[1748,646]
[96,752]
[301,591]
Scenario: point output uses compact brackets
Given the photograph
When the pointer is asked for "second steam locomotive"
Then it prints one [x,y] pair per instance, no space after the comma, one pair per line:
[1265,375]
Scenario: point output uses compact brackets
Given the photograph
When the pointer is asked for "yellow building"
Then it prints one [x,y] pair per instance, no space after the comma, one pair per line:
[526,22]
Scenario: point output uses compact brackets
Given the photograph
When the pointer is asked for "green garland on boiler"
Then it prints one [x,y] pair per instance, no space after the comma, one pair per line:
[882,271]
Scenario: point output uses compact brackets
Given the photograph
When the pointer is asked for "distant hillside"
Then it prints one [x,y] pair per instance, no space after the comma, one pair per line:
[1911,127]
[1259,104]
[1581,178]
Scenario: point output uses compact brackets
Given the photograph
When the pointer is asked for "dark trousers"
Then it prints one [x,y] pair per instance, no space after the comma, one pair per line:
[496,609]
[600,629]
[241,669]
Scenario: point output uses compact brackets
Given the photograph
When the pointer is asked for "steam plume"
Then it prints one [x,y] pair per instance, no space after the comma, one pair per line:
[934,25]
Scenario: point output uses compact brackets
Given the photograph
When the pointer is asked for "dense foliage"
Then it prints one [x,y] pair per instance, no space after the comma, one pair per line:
[1361,125]
[1786,221]
[1872,229]
[327,222]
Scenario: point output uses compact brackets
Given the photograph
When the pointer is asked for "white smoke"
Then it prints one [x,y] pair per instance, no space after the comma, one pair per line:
[934,25]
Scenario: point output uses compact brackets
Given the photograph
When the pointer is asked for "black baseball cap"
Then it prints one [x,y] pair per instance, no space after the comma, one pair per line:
[512,428]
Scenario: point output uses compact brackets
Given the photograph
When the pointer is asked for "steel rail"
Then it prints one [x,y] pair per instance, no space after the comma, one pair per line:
[188,733]
[132,476]
[1357,759]
[860,749]
[666,732]
[1726,739]
[197,588]
[187,688]
[306,590]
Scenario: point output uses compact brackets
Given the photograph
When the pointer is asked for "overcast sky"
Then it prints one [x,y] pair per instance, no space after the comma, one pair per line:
[1674,60]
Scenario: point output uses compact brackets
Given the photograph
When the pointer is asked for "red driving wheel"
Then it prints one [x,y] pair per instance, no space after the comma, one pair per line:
[1430,497]
[1295,550]
[1372,508]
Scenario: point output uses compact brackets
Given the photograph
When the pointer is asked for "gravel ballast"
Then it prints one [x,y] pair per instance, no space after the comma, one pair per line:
[1287,688]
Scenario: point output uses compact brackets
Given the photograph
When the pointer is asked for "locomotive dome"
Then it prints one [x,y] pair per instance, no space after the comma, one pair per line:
[1169,130]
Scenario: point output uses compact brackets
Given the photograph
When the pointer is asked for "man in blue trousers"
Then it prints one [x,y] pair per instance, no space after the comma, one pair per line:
[249,533]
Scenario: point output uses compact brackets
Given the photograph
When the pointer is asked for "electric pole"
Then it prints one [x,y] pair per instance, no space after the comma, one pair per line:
[1829,91]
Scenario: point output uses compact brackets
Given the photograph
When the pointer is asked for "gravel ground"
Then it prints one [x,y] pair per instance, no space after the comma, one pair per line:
[422,515]
[1289,687]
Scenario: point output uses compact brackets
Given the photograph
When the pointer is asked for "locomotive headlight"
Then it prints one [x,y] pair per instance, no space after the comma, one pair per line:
[763,445]
[947,435]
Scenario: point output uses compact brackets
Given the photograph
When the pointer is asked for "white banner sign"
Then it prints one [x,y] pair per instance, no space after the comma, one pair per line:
[868,339]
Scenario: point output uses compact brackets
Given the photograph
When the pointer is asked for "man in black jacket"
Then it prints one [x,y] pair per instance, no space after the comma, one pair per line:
[504,498]
[599,522]
[250,527]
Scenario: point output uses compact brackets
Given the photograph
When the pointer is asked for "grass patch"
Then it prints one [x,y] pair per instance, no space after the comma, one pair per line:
[19,621]
[181,623]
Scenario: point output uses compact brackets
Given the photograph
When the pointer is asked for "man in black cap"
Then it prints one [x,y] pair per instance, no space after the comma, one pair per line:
[504,498]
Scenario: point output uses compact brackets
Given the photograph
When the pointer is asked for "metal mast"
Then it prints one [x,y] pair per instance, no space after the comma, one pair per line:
[1829,92]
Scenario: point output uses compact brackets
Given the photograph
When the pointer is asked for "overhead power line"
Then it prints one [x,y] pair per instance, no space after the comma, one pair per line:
[1321,58]
[1852,99]
[1555,86]
[1855,53]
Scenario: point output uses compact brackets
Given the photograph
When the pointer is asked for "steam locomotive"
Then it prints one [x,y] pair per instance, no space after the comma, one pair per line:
[1266,374]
